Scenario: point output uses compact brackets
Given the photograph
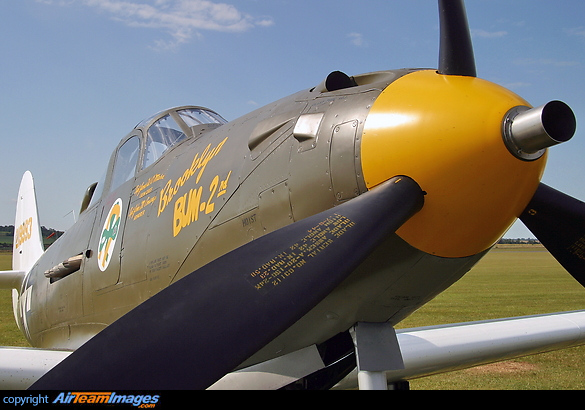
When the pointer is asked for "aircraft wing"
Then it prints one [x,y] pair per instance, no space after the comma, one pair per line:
[20,367]
[11,279]
[439,349]
[432,350]
[425,351]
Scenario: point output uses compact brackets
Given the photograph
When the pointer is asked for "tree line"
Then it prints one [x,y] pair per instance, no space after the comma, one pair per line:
[50,235]
[519,241]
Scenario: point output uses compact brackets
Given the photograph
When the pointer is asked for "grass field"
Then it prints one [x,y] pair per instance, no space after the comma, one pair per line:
[509,281]
[9,333]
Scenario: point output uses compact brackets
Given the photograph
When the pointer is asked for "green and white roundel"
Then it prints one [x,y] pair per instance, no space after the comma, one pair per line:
[109,234]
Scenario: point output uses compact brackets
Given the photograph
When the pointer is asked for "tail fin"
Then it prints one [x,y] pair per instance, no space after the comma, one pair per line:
[28,241]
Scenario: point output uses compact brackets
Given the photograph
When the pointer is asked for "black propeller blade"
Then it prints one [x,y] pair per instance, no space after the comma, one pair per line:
[200,328]
[558,221]
[456,55]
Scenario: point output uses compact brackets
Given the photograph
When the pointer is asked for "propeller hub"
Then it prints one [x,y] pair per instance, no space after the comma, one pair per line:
[528,132]
[445,132]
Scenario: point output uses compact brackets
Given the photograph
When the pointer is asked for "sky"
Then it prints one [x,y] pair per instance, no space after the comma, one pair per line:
[77,75]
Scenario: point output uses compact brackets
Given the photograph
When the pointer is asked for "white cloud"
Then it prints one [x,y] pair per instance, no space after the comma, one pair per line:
[488,34]
[576,31]
[182,19]
[357,39]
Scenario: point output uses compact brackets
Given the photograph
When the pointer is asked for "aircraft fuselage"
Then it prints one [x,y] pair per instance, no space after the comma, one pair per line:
[227,184]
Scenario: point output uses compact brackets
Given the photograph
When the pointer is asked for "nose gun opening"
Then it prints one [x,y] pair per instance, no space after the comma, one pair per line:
[528,131]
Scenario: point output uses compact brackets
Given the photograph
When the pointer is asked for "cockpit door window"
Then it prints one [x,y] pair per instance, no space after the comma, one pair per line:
[126,160]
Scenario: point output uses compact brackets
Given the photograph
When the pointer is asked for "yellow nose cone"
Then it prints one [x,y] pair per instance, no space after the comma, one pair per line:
[445,132]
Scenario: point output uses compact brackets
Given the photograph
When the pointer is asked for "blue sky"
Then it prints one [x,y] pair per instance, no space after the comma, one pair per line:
[77,75]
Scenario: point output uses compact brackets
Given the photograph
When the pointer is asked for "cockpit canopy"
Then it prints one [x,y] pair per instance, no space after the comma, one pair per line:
[166,129]
[149,140]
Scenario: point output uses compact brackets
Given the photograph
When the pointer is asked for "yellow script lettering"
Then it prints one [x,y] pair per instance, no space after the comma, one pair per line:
[199,163]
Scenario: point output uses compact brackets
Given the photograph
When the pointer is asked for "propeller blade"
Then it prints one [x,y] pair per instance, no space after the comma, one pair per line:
[558,221]
[456,55]
[203,326]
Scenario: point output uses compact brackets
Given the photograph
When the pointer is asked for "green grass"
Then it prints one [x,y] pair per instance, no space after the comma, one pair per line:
[509,281]
[9,333]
